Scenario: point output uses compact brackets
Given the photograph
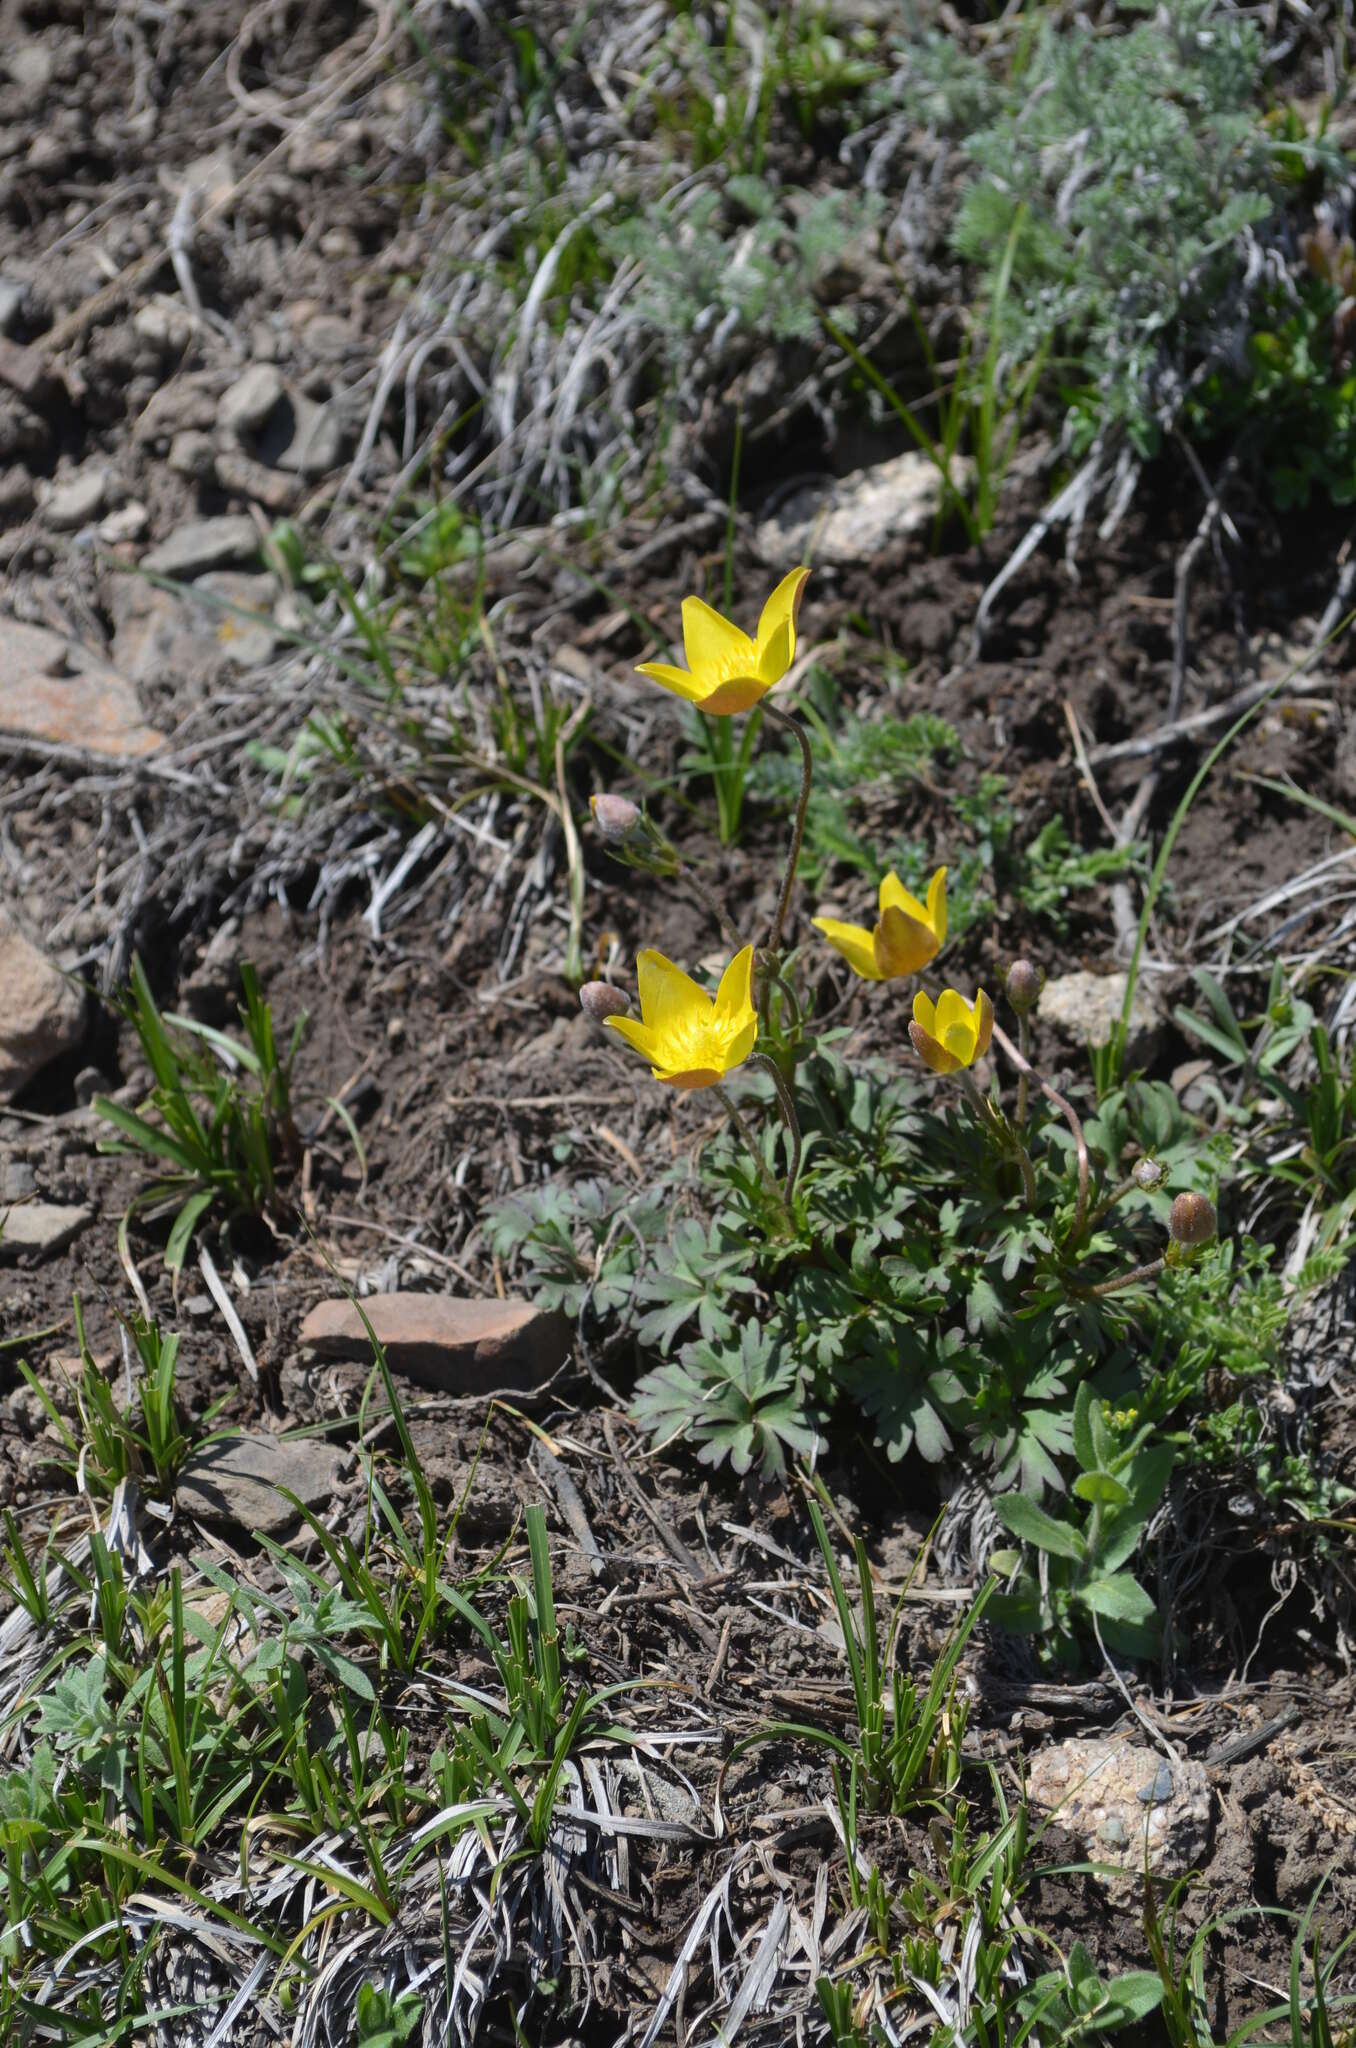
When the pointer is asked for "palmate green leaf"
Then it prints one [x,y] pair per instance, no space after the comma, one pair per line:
[745,1402]
[696,1276]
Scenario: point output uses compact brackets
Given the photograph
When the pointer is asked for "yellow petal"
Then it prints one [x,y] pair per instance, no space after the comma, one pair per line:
[931,1053]
[739,693]
[782,609]
[692,1077]
[715,648]
[672,678]
[902,944]
[937,905]
[641,1036]
[668,997]
[854,942]
[774,655]
[734,997]
[924,1015]
[952,1009]
[983,1024]
[740,1046]
[960,1040]
[894,896]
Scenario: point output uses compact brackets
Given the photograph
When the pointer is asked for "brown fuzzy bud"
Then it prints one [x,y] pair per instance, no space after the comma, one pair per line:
[1025,982]
[616,817]
[1191,1220]
[1146,1173]
[599,1000]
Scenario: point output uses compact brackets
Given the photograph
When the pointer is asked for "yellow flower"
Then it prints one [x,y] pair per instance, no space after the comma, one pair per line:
[955,1033]
[906,936]
[691,1040]
[726,671]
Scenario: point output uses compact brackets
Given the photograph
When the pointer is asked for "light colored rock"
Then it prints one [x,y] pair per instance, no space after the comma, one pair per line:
[165,323]
[238,1482]
[315,443]
[129,522]
[242,625]
[452,1342]
[193,454]
[13,298]
[205,544]
[854,519]
[1088,1008]
[54,690]
[42,1228]
[1123,1799]
[250,400]
[77,500]
[29,64]
[42,1014]
[247,478]
[329,338]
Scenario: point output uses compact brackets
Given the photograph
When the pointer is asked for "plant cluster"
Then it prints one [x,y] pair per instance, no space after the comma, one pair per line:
[991,1278]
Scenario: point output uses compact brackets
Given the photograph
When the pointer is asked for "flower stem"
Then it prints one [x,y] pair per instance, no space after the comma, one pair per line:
[1024,1041]
[781,717]
[1070,1115]
[755,1149]
[792,1121]
[1137,1273]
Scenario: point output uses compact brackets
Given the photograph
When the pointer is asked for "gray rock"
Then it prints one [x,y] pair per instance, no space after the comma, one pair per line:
[192,454]
[205,544]
[854,519]
[129,522]
[243,626]
[53,689]
[29,63]
[1087,1007]
[237,1483]
[41,1016]
[247,478]
[250,400]
[1124,1801]
[42,1228]
[307,440]
[456,1343]
[77,500]
[13,299]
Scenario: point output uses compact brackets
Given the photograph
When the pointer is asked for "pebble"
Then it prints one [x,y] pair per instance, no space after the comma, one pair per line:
[238,1483]
[40,1228]
[192,454]
[129,522]
[1122,1800]
[246,478]
[42,1016]
[250,400]
[861,514]
[55,690]
[456,1343]
[77,500]
[1088,1008]
[204,544]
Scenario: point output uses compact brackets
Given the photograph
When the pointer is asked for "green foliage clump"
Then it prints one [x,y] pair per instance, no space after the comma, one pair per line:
[736,261]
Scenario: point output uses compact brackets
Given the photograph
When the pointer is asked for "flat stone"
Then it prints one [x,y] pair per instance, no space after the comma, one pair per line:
[246,478]
[55,690]
[452,1342]
[30,65]
[76,501]
[42,1014]
[129,522]
[192,453]
[1121,1798]
[250,400]
[855,518]
[205,544]
[1088,1008]
[305,439]
[40,1227]
[237,1483]
[242,626]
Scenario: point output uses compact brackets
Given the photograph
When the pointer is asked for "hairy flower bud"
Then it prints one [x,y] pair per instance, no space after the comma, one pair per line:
[616,817]
[599,1000]
[1025,982]
[1191,1220]
[1146,1173]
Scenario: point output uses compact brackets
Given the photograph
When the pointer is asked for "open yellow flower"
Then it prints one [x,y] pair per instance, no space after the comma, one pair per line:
[691,1040]
[906,935]
[726,671]
[952,1034]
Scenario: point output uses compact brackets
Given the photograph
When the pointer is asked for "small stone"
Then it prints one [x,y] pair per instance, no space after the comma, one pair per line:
[316,444]
[242,623]
[1088,1008]
[238,1483]
[78,500]
[250,400]
[54,690]
[129,522]
[164,324]
[451,1342]
[16,495]
[41,1228]
[329,338]
[42,1014]
[13,299]
[204,544]
[192,454]
[861,514]
[1124,1804]
[29,64]
[18,1182]
[246,478]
